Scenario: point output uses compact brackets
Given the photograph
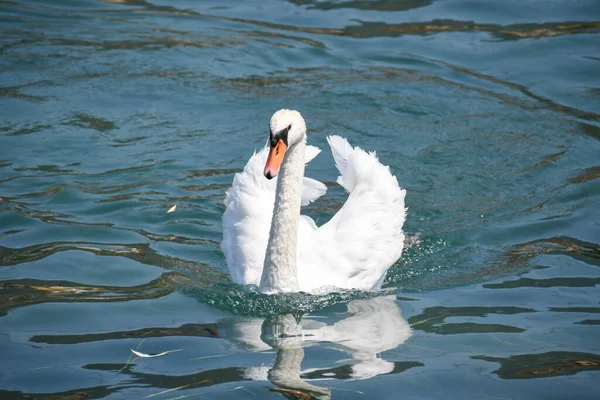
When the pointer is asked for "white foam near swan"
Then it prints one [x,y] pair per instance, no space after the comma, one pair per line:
[268,243]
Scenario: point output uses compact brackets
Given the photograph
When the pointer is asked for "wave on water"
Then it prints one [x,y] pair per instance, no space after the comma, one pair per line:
[246,301]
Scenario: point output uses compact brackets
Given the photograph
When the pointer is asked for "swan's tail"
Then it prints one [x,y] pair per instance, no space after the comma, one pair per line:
[341,149]
[356,166]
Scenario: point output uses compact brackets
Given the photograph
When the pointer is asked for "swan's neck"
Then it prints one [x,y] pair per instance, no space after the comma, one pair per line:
[279,272]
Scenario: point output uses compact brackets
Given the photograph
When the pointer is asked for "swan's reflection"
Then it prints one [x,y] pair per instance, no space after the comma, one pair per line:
[284,333]
[370,327]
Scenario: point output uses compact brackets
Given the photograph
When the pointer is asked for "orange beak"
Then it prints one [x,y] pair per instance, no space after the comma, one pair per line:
[275,159]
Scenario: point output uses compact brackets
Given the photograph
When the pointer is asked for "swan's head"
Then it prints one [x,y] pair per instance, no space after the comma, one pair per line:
[287,128]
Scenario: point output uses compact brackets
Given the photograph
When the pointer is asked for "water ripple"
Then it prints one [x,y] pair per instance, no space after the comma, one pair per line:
[556,363]
[20,293]
[114,111]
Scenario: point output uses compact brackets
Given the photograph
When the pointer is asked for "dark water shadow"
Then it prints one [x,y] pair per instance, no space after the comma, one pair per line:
[545,283]
[544,365]
[379,5]
[432,319]
[201,274]
[586,175]
[27,292]
[198,330]
[94,392]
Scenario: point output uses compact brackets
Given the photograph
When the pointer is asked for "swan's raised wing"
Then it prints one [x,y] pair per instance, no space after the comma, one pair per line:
[364,238]
[247,218]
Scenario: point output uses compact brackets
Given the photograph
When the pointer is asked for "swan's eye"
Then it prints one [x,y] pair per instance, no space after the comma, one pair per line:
[289,127]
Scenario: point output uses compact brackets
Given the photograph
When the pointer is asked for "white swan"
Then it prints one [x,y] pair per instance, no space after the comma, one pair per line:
[268,243]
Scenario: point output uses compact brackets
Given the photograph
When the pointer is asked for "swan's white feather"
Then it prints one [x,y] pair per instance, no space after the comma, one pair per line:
[247,218]
[311,190]
[353,250]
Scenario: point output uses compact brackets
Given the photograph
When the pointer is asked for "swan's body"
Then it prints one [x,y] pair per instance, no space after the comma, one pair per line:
[268,243]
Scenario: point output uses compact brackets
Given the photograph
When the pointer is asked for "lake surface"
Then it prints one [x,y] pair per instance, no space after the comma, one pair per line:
[112,112]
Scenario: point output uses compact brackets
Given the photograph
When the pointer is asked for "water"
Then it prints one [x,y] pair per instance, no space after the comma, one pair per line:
[111,112]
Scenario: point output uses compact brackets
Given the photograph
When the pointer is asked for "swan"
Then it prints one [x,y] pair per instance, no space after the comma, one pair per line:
[267,243]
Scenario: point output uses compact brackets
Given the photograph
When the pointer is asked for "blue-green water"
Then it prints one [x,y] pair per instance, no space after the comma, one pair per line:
[111,112]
